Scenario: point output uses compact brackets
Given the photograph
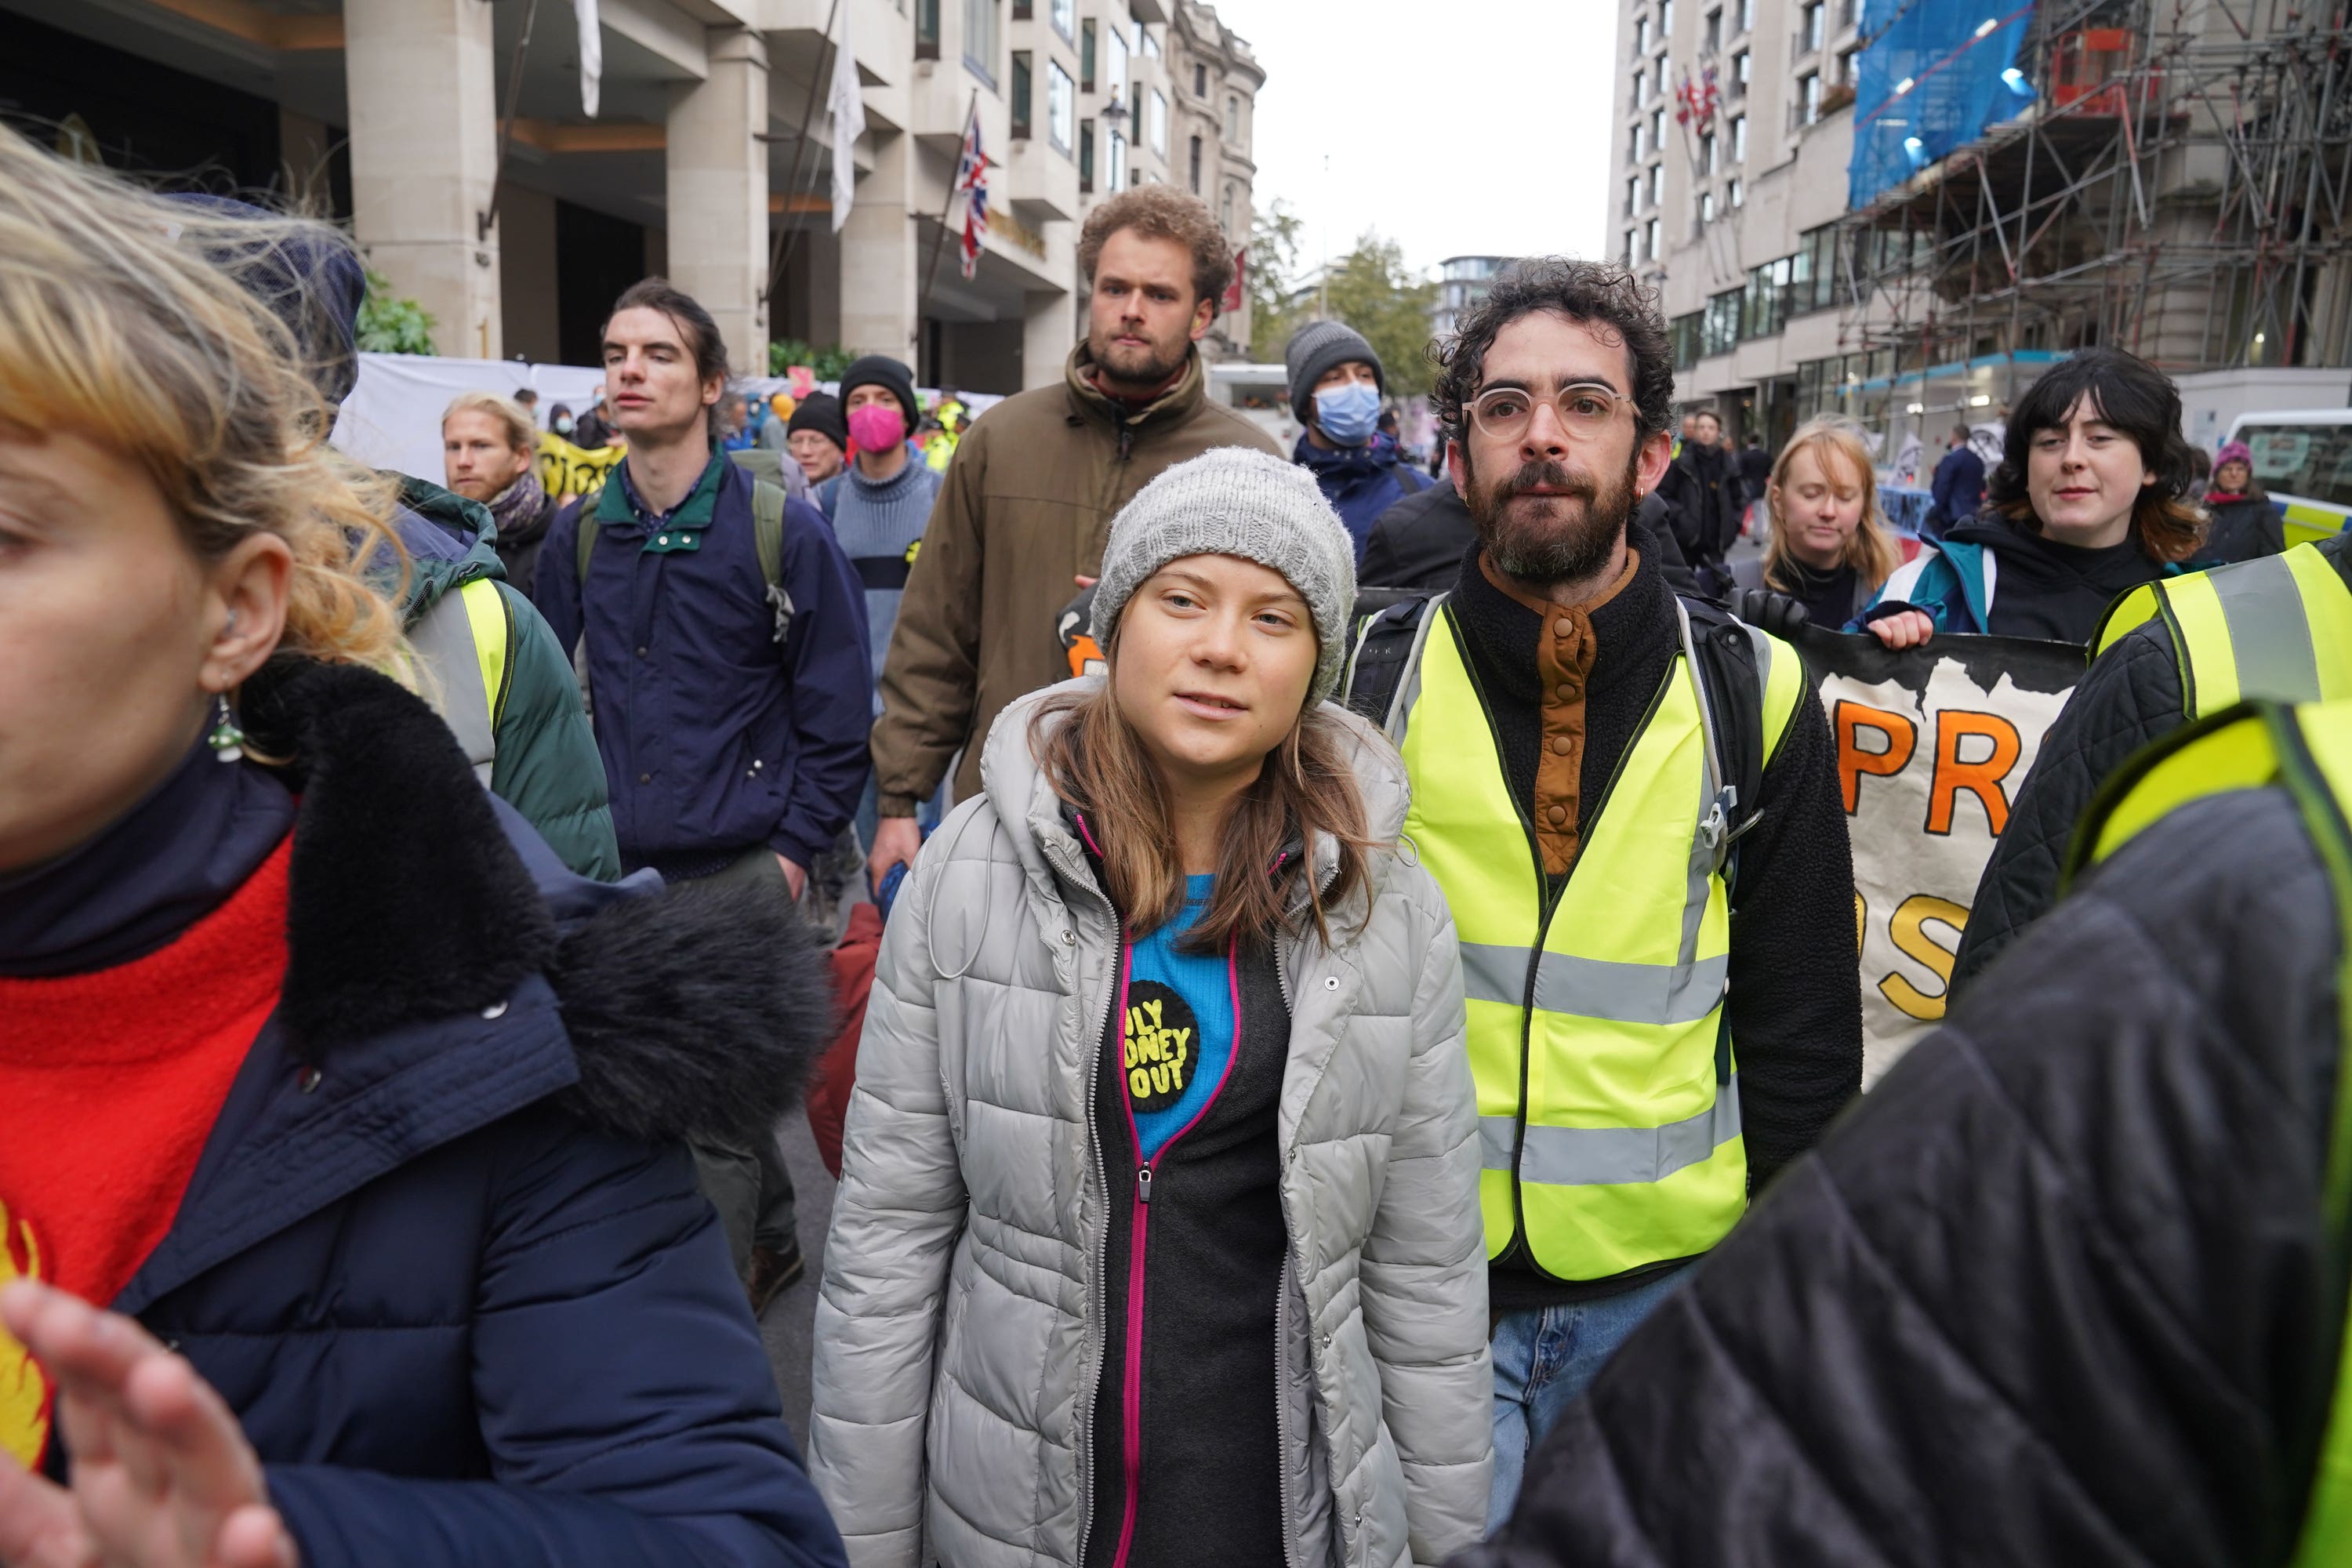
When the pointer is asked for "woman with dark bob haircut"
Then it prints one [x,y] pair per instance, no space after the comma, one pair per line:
[2090,501]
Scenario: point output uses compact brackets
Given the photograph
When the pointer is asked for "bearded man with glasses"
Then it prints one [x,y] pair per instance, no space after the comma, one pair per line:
[1632,801]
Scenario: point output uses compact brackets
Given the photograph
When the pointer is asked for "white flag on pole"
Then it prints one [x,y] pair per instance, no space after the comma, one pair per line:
[591,55]
[848,104]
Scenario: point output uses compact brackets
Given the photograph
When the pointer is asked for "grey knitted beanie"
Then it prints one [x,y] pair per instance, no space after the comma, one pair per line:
[1316,348]
[1232,501]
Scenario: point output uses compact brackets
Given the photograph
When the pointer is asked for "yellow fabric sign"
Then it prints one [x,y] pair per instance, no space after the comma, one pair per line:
[567,470]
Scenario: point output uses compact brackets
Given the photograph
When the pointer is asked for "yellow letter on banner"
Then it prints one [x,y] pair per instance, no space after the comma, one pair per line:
[1908,932]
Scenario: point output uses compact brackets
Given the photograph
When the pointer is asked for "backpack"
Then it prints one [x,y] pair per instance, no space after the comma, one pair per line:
[1731,697]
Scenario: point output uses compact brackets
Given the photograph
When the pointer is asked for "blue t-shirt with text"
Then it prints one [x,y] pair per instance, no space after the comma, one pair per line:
[1176,1033]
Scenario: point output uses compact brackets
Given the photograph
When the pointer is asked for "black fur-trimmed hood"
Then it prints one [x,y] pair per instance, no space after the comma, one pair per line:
[692,1010]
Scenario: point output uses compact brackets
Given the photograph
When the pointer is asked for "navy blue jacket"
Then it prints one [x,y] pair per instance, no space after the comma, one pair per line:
[1956,491]
[714,741]
[443,1254]
[1360,482]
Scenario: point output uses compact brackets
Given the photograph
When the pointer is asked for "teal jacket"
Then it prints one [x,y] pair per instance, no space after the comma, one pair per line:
[546,767]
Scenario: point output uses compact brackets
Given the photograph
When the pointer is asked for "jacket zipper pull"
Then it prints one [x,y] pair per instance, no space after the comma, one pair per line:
[1126,439]
[1143,1183]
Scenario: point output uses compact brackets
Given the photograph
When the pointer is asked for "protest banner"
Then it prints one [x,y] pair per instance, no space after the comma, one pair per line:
[567,470]
[1932,744]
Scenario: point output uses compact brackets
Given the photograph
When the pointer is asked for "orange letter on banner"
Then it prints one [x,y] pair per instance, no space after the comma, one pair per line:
[1908,932]
[1902,739]
[1982,779]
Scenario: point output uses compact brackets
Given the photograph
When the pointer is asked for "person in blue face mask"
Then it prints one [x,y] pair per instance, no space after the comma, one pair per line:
[1337,387]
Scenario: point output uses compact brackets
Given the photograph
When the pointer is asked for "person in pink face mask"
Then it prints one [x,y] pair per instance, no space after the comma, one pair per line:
[880,504]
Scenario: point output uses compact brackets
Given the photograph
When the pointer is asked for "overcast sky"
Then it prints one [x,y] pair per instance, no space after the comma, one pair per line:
[1457,127]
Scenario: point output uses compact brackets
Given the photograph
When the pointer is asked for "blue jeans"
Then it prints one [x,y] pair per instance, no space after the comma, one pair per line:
[1545,1357]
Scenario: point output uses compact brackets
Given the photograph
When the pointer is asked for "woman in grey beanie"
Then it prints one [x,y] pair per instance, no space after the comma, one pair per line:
[1163,1091]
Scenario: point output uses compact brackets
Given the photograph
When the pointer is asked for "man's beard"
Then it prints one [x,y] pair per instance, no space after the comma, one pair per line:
[1550,539]
[1137,367]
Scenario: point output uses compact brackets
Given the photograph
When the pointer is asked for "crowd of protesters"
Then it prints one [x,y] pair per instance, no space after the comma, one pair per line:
[1383,978]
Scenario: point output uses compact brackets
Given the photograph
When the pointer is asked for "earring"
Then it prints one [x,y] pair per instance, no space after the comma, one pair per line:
[226,740]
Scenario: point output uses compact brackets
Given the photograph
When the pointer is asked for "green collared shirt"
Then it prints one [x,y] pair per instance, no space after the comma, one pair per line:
[681,529]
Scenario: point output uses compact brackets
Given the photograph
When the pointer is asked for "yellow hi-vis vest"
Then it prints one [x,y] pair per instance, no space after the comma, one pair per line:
[1609,1113]
[463,641]
[2278,628]
[2307,752]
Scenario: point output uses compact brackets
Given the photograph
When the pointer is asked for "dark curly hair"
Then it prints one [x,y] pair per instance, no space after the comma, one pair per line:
[2133,396]
[1163,211]
[1594,292]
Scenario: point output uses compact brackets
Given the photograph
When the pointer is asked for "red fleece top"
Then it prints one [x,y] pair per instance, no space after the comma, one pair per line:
[110,1085]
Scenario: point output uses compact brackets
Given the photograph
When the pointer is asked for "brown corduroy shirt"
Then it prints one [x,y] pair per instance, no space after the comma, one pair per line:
[1564,654]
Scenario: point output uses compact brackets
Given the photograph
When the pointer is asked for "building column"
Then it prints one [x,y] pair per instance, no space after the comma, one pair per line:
[880,272]
[420,90]
[718,171]
[1049,327]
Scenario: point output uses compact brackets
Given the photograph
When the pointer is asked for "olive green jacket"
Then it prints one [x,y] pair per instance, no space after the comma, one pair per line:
[1022,513]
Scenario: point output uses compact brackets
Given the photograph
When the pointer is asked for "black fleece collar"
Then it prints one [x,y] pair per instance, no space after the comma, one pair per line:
[1628,631]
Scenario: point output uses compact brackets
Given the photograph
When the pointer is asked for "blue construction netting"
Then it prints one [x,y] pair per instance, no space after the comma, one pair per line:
[1935,74]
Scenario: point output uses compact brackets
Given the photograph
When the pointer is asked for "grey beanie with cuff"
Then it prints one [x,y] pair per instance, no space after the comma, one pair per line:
[1235,500]
[1314,349]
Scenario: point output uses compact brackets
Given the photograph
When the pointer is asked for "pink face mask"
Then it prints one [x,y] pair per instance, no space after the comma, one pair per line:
[876,427]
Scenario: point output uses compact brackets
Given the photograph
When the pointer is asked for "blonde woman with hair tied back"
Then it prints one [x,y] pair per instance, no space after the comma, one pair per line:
[332,1176]
[1830,547]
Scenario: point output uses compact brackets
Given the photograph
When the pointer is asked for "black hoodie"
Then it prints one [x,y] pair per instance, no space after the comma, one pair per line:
[2051,590]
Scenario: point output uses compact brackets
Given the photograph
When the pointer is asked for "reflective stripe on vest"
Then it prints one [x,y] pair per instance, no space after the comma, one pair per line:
[2307,752]
[2278,628]
[463,641]
[1626,1150]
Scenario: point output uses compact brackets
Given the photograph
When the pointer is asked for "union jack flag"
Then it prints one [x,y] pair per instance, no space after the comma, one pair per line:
[971,185]
[1709,99]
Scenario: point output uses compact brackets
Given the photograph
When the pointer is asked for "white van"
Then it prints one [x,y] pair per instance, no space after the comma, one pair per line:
[2303,460]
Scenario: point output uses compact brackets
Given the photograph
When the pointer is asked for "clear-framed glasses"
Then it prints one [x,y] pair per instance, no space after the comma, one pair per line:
[1585,409]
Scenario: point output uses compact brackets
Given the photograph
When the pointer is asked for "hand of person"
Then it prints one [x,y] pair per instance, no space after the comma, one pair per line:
[1907,628]
[1779,614]
[795,875]
[897,841]
[162,1476]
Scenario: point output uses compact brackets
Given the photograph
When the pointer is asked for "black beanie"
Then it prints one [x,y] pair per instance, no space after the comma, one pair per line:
[820,412]
[882,371]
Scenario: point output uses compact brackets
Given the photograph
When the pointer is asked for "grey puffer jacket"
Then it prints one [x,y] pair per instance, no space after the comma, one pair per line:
[960,1330]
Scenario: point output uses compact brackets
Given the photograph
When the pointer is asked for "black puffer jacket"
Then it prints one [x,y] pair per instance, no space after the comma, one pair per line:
[2054,1295]
[2131,697]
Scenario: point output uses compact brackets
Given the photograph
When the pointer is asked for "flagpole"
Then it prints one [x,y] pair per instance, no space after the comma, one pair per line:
[931,273]
[781,251]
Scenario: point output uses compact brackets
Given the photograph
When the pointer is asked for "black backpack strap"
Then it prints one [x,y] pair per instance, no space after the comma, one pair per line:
[1731,687]
[1388,648]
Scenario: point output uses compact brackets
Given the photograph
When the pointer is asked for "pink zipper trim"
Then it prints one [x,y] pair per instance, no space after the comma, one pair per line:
[1131,1380]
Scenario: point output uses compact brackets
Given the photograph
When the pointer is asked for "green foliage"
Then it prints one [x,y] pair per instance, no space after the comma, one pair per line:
[828,362]
[1372,291]
[391,325]
[1273,264]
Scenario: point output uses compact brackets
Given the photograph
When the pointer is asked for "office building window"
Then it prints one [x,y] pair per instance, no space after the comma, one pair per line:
[1226,207]
[1641,147]
[1021,10]
[1159,122]
[1233,118]
[1735,195]
[1061,106]
[1085,157]
[980,39]
[1658,77]
[1808,33]
[1632,195]
[1195,166]
[1641,38]
[1666,19]
[926,29]
[1150,44]
[1739,139]
[1706,208]
[1065,15]
[1651,231]
[1641,79]
[1087,54]
[1746,16]
[1201,81]
[1019,97]
[1740,67]
[1657,131]
[1706,153]
[1117,164]
[1809,97]
[1712,35]
[1658,185]
[1115,68]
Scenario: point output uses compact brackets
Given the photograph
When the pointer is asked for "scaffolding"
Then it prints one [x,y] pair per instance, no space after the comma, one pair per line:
[2180,185]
